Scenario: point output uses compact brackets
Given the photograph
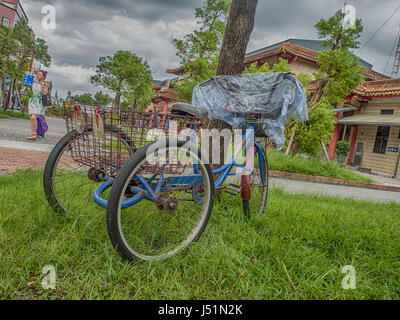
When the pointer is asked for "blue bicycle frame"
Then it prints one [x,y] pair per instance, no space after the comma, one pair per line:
[150,191]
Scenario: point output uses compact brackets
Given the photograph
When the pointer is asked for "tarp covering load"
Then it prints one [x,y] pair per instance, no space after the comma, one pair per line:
[270,99]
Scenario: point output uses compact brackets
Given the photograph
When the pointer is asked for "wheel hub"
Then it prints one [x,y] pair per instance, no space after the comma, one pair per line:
[93,174]
[167,203]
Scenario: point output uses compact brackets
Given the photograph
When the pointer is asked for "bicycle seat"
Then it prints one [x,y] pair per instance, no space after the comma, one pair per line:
[183,109]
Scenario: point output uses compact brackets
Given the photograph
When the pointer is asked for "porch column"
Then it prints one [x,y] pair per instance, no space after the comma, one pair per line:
[335,136]
[333,143]
[353,145]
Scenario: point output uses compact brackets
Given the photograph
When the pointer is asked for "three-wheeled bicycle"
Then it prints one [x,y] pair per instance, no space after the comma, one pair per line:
[152,173]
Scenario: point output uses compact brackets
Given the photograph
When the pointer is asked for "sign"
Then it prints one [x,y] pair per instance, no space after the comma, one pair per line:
[393,149]
[28,78]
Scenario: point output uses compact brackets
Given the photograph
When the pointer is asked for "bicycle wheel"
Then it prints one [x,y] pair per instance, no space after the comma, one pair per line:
[254,202]
[184,197]
[68,186]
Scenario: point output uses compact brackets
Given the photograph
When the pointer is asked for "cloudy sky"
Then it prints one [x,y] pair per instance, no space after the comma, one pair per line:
[88,29]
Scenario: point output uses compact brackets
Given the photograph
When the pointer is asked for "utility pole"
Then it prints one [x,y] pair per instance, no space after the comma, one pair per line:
[396,67]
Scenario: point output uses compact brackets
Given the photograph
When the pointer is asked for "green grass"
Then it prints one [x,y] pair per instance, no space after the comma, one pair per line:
[295,251]
[15,114]
[281,162]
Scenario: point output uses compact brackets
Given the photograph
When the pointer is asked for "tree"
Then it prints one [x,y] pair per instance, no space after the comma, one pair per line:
[85,98]
[126,74]
[8,45]
[200,49]
[334,61]
[19,48]
[338,75]
[102,99]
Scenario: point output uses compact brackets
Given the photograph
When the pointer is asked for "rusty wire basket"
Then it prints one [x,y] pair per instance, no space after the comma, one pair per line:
[104,139]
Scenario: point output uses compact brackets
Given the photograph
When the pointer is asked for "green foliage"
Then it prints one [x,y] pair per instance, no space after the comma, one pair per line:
[313,167]
[335,36]
[343,148]
[319,127]
[281,66]
[199,50]
[85,98]
[13,114]
[338,75]
[17,48]
[26,97]
[342,71]
[8,46]
[254,68]
[127,75]
[102,99]
[29,47]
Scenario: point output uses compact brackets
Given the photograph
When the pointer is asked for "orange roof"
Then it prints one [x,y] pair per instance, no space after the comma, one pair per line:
[379,88]
[167,94]
[307,54]
[286,47]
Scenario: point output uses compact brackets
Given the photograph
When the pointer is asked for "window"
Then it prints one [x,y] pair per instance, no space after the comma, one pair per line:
[5,21]
[387,112]
[382,138]
[21,13]
[9,5]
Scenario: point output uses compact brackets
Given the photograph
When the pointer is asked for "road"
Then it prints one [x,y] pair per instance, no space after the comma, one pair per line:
[13,133]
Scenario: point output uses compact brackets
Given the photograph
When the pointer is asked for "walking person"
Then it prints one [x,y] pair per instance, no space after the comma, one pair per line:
[36,108]
[69,98]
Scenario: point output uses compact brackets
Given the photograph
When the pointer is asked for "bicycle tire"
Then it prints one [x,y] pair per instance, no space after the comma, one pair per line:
[120,186]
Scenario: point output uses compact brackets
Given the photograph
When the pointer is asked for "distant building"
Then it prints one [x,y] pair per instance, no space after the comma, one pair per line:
[11,11]
[165,95]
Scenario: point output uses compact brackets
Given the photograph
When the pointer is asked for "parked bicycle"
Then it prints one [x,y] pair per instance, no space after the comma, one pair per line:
[162,185]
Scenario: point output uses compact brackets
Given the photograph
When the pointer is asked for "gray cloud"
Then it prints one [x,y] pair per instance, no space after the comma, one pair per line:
[88,29]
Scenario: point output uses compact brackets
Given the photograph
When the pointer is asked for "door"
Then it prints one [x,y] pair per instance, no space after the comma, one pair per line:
[358,154]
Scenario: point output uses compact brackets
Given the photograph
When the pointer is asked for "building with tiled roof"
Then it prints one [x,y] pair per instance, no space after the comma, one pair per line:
[165,95]
[369,121]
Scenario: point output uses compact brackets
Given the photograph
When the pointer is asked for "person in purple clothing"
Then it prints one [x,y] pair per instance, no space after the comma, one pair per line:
[36,108]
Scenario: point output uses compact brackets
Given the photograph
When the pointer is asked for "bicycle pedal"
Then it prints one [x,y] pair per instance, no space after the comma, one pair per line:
[233,189]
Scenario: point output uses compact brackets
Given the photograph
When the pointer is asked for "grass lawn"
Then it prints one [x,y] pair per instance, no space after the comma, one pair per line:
[15,114]
[281,162]
[295,251]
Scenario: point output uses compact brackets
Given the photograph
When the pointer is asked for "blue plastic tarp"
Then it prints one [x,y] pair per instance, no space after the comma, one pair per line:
[273,98]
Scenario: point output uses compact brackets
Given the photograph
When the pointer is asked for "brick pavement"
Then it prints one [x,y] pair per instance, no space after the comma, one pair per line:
[13,159]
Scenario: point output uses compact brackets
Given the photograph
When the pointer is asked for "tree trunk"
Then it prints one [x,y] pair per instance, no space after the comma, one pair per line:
[117,101]
[231,60]
[1,92]
[3,97]
[237,35]
[291,140]
[10,94]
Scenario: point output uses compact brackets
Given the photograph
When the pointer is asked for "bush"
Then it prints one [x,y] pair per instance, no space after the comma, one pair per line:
[343,148]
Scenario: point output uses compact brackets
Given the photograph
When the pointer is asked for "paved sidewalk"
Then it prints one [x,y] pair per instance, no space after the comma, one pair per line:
[13,159]
[381,179]
[300,187]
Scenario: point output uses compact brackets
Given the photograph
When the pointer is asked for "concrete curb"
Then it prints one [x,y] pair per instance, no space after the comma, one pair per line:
[326,180]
